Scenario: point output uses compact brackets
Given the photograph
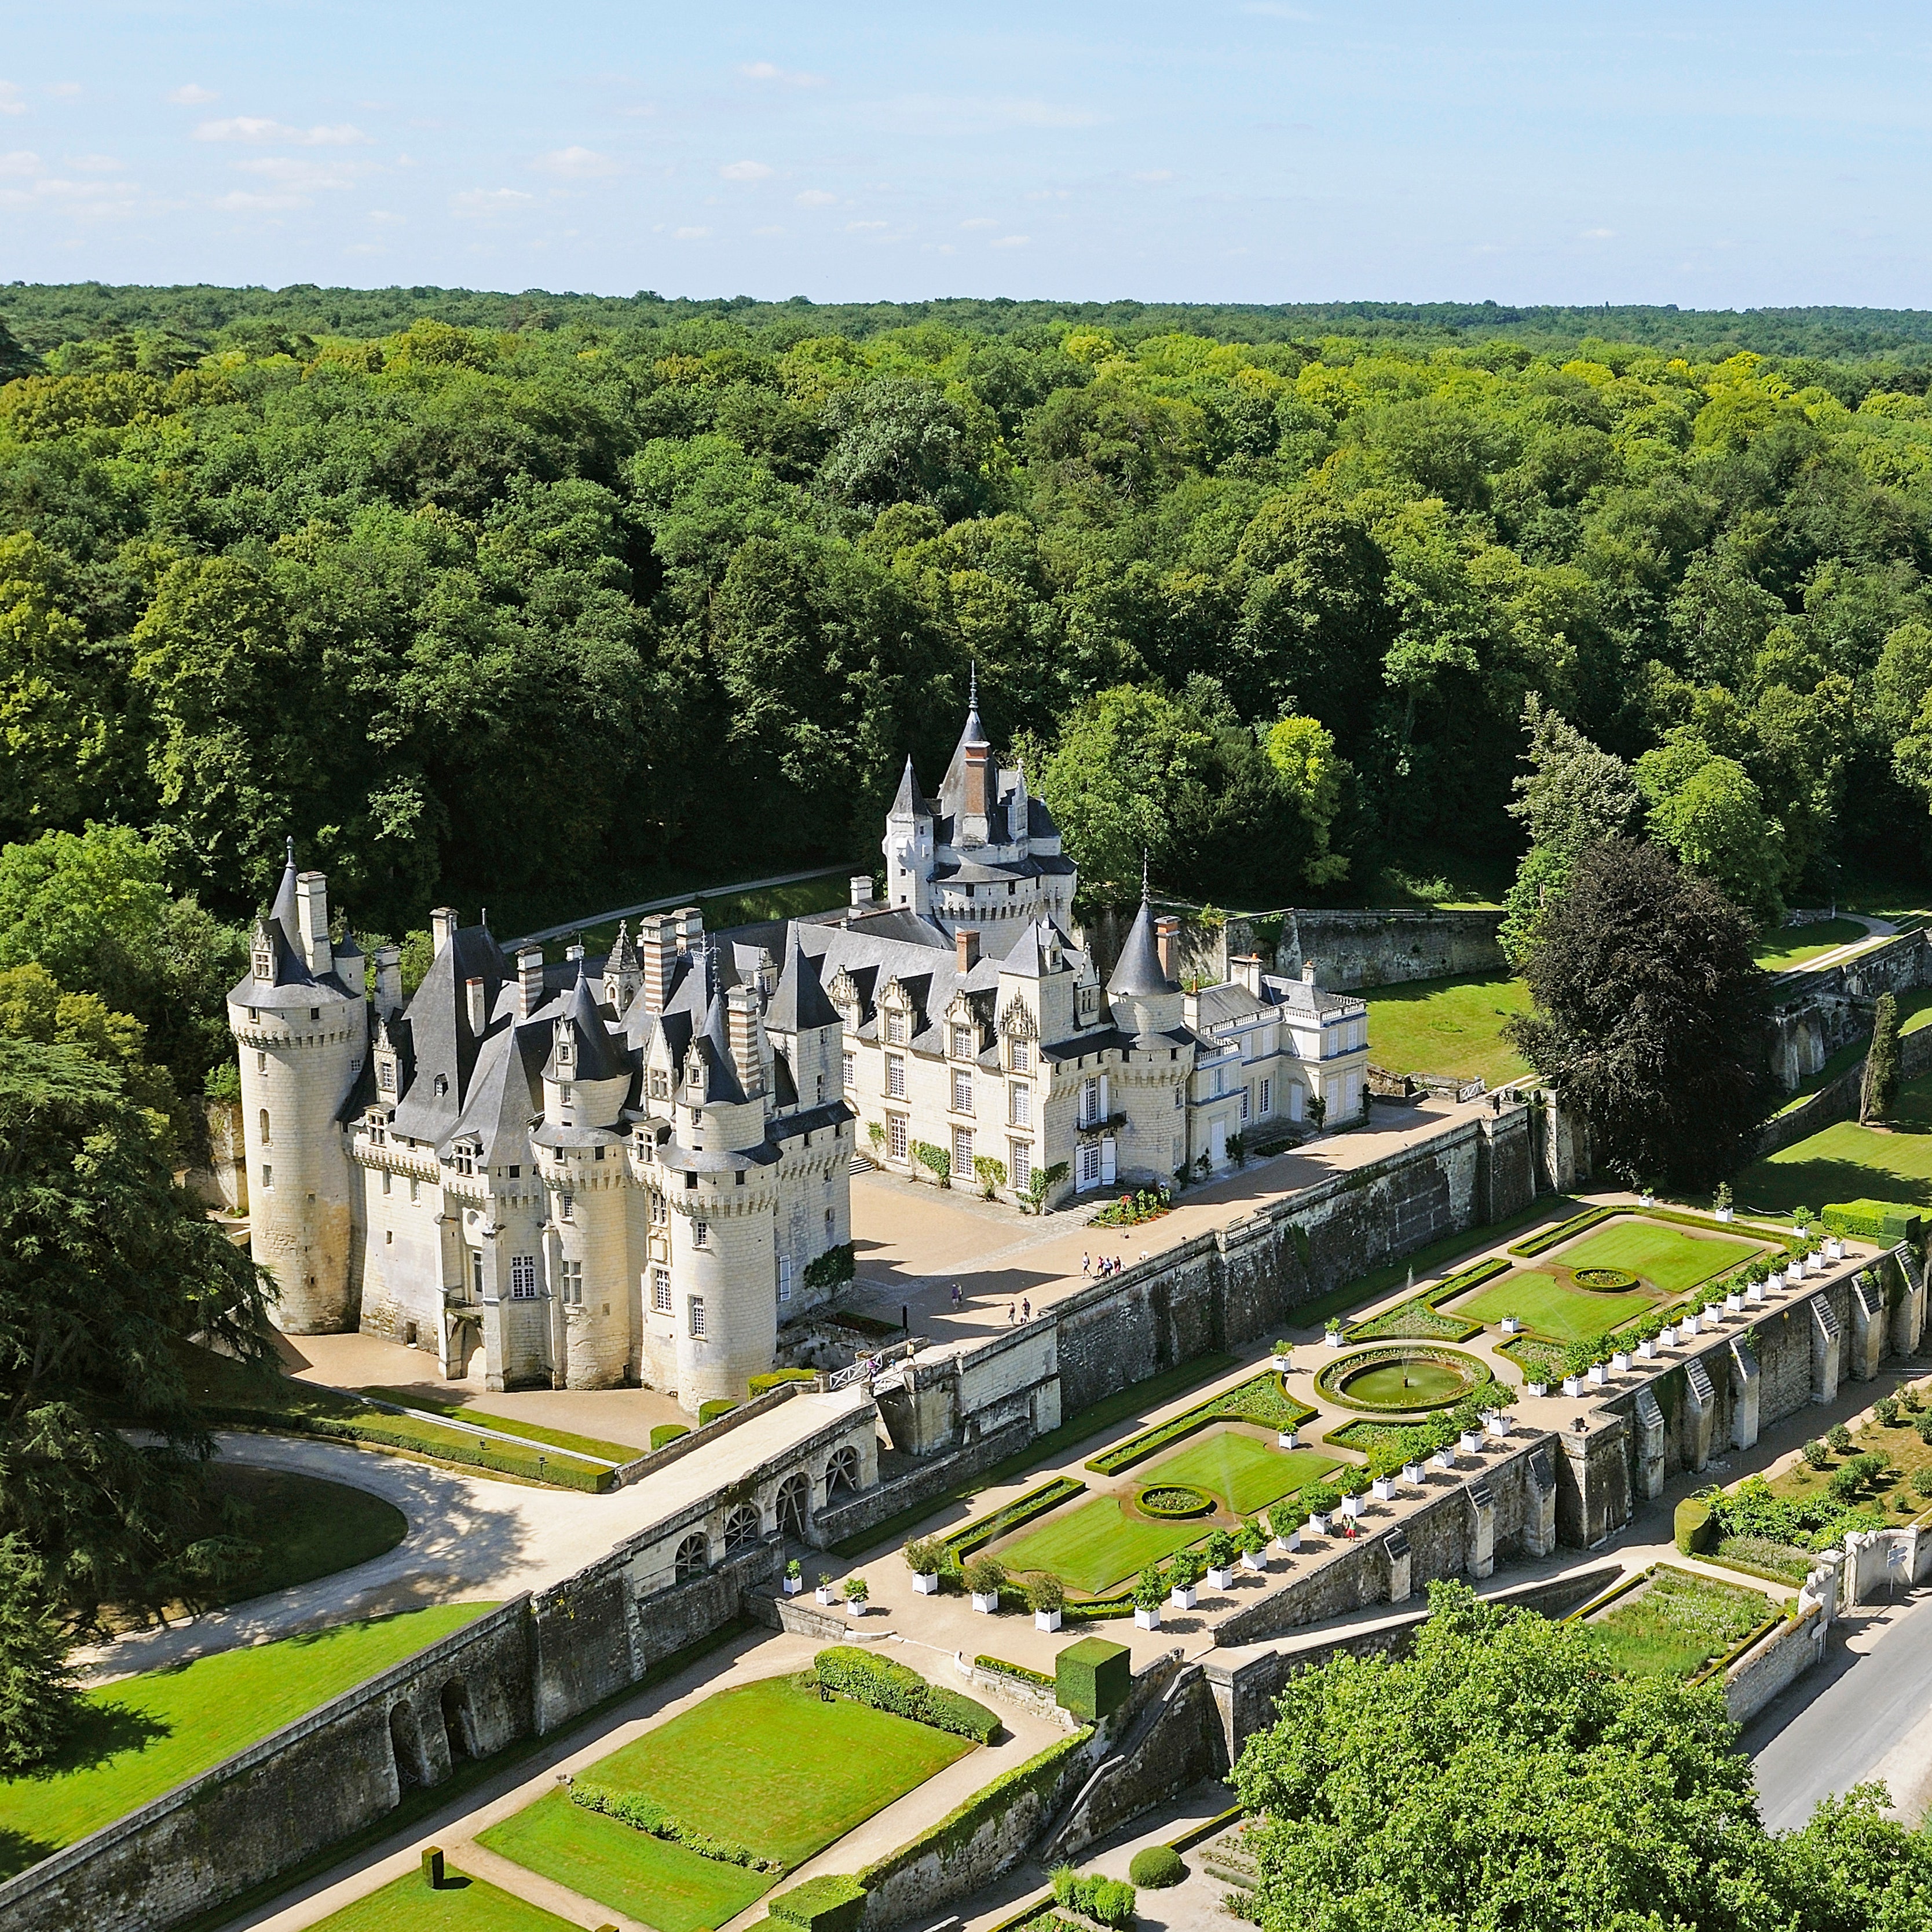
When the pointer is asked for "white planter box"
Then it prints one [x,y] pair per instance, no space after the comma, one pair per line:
[1444,1458]
[1814,1263]
[1620,1362]
[1499,1427]
[1775,1279]
[986,1603]
[1471,1442]
[1352,1507]
[1735,1303]
[1689,1326]
[1317,1525]
[794,1584]
[1666,1337]
[1754,1294]
[1724,1213]
[1834,1248]
[1572,1385]
[1332,1339]
[1288,1438]
[1411,1472]
[1147,1619]
[1291,1543]
[1538,1389]
[1046,1620]
[855,1606]
[1221,1580]
[1181,1600]
[1283,1364]
[926,1586]
[1383,1489]
[1646,1200]
[1254,1561]
[1646,1352]
[1511,1325]
[1600,1373]
[827,1598]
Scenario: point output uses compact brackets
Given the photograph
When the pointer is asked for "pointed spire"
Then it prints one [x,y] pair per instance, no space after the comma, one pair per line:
[906,803]
[1144,894]
[284,911]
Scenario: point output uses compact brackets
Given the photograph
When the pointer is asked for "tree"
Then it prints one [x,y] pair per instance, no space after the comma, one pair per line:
[37,1694]
[1879,1087]
[1649,1015]
[1302,751]
[1707,811]
[899,440]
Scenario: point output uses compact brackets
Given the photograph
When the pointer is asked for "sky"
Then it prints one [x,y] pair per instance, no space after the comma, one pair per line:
[1225,151]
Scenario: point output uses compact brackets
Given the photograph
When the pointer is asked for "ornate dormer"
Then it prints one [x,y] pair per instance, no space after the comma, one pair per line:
[564,1054]
[262,953]
[962,1029]
[898,1018]
[622,974]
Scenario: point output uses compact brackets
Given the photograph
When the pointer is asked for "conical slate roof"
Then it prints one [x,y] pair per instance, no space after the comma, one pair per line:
[1138,974]
[284,910]
[598,1056]
[907,801]
[799,1001]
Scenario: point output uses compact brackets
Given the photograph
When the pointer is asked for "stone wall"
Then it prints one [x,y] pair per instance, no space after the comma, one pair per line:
[1775,1663]
[1838,1100]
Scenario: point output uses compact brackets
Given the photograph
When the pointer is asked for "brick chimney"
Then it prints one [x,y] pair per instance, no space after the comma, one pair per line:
[862,891]
[657,954]
[1308,972]
[1167,944]
[690,926]
[529,981]
[442,926]
[1245,969]
[966,949]
[479,1016]
[976,814]
[741,1026]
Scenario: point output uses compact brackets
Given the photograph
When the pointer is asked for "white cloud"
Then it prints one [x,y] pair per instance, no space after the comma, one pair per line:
[96,164]
[980,221]
[745,171]
[10,102]
[482,203]
[192,96]
[576,164]
[240,202]
[1596,234]
[1013,241]
[815,197]
[770,71]
[298,177]
[1048,193]
[22,161]
[383,215]
[254,127]
[689,234]
[63,90]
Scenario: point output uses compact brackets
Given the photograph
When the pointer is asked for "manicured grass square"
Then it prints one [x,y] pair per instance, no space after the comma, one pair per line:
[1453,1027]
[462,1904]
[1671,1259]
[1246,1473]
[145,1735]
[630,1871]
[1551,1307]
[1097,1545]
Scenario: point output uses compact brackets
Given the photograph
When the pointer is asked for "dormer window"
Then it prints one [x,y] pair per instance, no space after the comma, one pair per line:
[1019,1054]
[895,1029]
[465,1158]
[386,1074]
[962,1042]
[660,1084]
[263,964]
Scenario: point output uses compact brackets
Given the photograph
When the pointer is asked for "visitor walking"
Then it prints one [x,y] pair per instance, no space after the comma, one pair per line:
[1009,1315]
[958,1298]
[1086,1264]
[1026,1311]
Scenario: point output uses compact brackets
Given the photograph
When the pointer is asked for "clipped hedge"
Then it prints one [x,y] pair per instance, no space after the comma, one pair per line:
[887,1686]
[1107,1901]
[1547,1238]
[668,1432]
[708,1412]
[1156,1867]
[1697,1531]
[1002,1668]
[1885,1222]
[962,1542]
[777,1378]
[645,1814]
[1421,1317]
[833,1902]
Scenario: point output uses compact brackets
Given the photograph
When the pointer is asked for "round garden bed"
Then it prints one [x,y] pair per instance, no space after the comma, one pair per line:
[1604,1280]
[1173,1500]
[1399,1379]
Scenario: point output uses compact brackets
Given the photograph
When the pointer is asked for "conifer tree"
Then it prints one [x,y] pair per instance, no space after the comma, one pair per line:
[1881,1081]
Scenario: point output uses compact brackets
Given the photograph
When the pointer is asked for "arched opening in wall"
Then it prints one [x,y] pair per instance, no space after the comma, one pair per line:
[794,1504]
[458,1726]
[406,1742]
[841,1472]
[268,1139]
[741,1529]
[409,1334]
[692,1556]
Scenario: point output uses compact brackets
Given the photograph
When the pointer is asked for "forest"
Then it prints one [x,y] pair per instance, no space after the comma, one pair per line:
[538,599]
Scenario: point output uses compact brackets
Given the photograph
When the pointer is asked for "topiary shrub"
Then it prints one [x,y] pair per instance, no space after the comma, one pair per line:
[1092,1678]
[1696,1531]
[777,1378]
[709,1412]
[1157,1867]
[668,1432]
[1107,1901]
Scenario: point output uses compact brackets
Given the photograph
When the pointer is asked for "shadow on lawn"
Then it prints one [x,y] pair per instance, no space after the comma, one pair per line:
[101,1731]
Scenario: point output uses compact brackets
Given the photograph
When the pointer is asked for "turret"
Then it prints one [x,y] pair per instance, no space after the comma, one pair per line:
[908,847]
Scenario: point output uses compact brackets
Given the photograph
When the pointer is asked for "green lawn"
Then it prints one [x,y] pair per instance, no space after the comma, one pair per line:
[1097,1544]
[1550,1305]
[768,1765]
[145,1735]
[1245,1472]
[1671,1259]
[1676,1623]
[1452,1027]
[304,1527]
[1792,945]
[464,1904]
[1846,1162]
[530,1432]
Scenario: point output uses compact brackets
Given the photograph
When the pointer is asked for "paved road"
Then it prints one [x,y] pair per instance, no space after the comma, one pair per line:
[1866,1712]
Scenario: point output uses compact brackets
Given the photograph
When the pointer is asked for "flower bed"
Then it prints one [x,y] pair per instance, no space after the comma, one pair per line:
[1540,1360]
[1603,1280]
[960,1543]
[1168,1500]
[1421,1317]
[1131,1209]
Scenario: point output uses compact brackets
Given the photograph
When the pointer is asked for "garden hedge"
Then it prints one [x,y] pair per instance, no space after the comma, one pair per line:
[833,1902]
[708,1412]
[1261,1399]
[1107,1901]
[1019,1672]
[1408,1321]
[763,1384]
[644,1814]
[962,1542]
[1156,1867]
[1545,1238]
[1883,1222]
[1696,1530]
[1092,1679]
[668,1433]
[886,1686]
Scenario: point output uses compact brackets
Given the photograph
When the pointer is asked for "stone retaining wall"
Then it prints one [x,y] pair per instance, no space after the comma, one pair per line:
[1774,1663]
[1838,1100]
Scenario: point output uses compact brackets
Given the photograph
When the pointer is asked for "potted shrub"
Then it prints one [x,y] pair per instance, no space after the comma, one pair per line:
[1046,1598]
[1318,1502]
[1720,1201]
[856,1593]
[827,1595]
[1575,1366]
[1646,1194]
[1734,1297]
[1288,1438]
[1331,1335]
[1599,1373]
[1251,1539]
[1150,1591]
[1184,1577]
[984,1575]
[794,1578]
[1538,1388]
[1286,1520]
[1414,1446]
[1220,1555]
[1501,1398]
[1620,1359]
[925,1557]
[1834,1248]
[1284,1358]
[1384,1459]
[1352,1486]
[1512,1325]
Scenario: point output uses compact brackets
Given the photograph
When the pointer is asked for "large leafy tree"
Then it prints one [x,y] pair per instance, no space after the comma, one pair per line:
[1649,1014]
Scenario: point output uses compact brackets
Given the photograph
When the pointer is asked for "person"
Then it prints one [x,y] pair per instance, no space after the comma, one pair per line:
[957,1298]
[1009,1314]
[1026,1310]
[1086,1264]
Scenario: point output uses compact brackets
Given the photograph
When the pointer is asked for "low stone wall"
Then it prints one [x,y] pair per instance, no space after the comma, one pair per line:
[1035,1699]
[931,1479]
[1380,947]
[1775,1663]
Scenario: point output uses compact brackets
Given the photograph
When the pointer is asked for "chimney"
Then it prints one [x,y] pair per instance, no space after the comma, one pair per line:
[479,1017]
[966,949]
[657,954]
[442,925]
[1167,944]
[529,981]
[862,891]
[690,922]
[1308,972]
[388,979]
[741,1023]
[1246,969]
[976,811]
[312,920]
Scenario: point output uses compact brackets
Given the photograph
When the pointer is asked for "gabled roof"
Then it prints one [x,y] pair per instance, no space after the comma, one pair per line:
[799,1001]
[598,1055]
[713,1047]
[445,1045]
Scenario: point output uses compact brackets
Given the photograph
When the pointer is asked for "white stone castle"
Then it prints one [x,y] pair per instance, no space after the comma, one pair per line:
[638,1169]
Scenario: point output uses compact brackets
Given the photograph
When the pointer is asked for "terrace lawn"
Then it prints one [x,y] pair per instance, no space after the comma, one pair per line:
[462,1904]
[1549,1305]
[1098,1544]
[1792,945]
[1671,1261]
[1453,1026]
[1846,1162]
[1245,1472]
[145,1735]
[1676,1623]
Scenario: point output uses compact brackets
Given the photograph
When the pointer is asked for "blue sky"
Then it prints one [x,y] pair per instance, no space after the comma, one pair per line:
[1232,150]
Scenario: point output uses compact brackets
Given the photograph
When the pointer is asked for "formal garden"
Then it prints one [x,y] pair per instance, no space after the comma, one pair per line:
[143,1736]
[698,1818]
[1668,1622]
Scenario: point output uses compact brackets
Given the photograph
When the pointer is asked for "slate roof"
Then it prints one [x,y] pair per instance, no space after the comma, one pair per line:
[1138,974]
[798,1000]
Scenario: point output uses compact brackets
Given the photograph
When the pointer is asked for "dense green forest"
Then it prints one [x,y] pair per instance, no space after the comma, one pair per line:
[511,603]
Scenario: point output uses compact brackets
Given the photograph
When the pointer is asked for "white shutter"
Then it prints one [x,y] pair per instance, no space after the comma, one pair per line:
[1108,1169]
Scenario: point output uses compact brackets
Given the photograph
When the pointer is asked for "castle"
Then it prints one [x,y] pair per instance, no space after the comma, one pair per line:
[637,1168]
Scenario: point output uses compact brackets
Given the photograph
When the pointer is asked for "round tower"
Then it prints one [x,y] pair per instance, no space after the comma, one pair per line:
[302,1036]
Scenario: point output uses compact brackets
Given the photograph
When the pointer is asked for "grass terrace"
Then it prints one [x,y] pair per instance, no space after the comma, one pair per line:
[1675,1622]
[769,1766]
[1243,1473]
[145,1734]
[1098,1544]
[461,1904]
[1451,1027]
[1846,1162]
[529,1431]
[1794,945]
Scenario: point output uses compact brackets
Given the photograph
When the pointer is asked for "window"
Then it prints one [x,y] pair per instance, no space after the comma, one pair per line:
[476,1274]
[441,1085]
[522,1277]
[690,1559]
[1021,1055]
[268,1178]
[895,1135]
[695,1311]
[1180,1102]
[785,1277]
[416,1188]
[266,1136]
[660,1211]
[1090,1103]
[962,1151]
[1267,1099]
[566,1208]
[261,1062]
[895,1029]
[660,1084]
[389,1181]
[962,1042]
[896,1076]
[660,1291]
[573,1284]
[516,1173]
[1019,1105]
[385,1073]
[315,1012]
[1021,1165]
[851,1071]
[1244,1103]
[466,1160]
[962,1092]
[701,1238]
